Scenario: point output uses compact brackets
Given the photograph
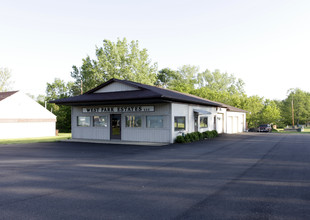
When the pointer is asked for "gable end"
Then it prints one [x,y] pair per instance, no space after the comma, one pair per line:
[116,87]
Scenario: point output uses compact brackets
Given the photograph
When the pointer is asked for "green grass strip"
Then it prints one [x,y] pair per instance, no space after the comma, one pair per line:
[61,136]
[306,131]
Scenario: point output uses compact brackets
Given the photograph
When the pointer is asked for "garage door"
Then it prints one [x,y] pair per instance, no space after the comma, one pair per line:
[241,124]
[232,124]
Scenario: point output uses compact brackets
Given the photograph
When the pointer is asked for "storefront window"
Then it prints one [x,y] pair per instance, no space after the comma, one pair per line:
[133,121]
[203,122]
[83,121]
[179,123]
[154,121]
[100,121]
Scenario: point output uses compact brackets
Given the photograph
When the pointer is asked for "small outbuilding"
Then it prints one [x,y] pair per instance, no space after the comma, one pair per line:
[22,117]
[128,111]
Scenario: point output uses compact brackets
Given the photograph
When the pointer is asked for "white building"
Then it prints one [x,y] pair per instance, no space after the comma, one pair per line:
[128,111]
[21,117]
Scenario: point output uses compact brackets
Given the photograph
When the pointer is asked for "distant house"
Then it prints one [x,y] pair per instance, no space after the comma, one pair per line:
[128,111]
[21,117]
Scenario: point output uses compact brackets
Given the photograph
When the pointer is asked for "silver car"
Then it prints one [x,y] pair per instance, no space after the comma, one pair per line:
[264,128]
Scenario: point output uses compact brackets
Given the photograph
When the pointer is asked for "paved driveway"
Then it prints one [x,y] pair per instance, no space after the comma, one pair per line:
[248,176]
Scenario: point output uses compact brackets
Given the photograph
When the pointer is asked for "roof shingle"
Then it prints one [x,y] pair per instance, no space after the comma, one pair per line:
[145,94]
[4,95]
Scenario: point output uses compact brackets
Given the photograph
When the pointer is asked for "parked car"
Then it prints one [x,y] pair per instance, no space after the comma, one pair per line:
[252,129]
[264,128]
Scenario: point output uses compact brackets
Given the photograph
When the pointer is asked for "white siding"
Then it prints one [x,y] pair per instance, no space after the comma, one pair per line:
[142,134]
[27,129]
[178,109]
[220,123]
[21,117]
[241,127]
[187,110]
[116,87]
[149,134]
[97,133]
[213,112]
[225,122]
[235,122]
[223,112]
[22,106]
[229,124]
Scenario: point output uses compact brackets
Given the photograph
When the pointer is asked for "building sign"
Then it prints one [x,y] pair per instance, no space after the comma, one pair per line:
[121,109]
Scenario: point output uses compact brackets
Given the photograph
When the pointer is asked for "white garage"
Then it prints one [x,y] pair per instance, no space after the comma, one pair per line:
[236,121]
[22,117]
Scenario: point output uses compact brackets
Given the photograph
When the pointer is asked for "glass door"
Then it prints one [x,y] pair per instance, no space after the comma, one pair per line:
[196,121]
[115,126]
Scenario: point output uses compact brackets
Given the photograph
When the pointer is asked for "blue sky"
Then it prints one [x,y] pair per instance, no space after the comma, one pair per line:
[265,43]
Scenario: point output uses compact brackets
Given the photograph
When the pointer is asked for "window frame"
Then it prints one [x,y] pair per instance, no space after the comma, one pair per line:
[177,128]
[149,116]
[78,120]
[136,116]
[100,116]
[200,121]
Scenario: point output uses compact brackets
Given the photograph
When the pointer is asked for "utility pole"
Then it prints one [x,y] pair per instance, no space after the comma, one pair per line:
[81,87]
[293,112]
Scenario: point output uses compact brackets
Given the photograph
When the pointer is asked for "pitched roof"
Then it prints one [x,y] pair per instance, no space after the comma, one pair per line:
[231,108]
[143,94]
[4,95]
[234,109]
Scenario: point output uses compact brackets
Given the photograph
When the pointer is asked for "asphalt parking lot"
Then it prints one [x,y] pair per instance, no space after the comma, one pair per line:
[247,176]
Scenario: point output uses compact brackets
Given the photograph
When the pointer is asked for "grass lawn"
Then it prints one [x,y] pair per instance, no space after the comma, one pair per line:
[61,136]
[306,131]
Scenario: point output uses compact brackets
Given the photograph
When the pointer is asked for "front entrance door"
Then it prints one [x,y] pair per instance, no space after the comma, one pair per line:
[196,121]
[115,126]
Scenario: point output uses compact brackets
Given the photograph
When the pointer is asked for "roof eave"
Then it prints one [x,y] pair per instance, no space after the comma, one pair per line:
[113,102]
[132,101]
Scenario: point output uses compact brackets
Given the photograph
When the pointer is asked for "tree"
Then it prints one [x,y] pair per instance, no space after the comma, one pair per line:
[5,83]
[297,103]
[56,90]
[119,60]
[254,105]
[270,113]
[165,77]
[220,82]
[220,87]
[208,93]
[185,79]
[123,60]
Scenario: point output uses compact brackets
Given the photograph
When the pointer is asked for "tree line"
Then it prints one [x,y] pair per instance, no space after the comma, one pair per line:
[124,60]
[5,79]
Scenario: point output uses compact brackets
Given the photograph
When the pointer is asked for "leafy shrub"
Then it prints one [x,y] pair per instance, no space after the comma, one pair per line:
[201,136]
[210,134]
[187,138]
[196,136]
[207,134]
[215,134]
[180,139]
